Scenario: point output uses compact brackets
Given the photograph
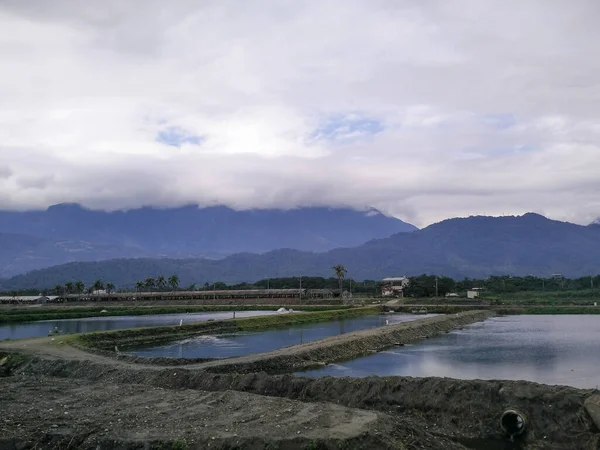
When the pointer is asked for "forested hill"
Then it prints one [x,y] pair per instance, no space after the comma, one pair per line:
[474,247]
[65,233]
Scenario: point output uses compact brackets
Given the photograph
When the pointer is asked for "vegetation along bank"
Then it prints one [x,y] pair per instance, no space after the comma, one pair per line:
[60,312]
[134,337]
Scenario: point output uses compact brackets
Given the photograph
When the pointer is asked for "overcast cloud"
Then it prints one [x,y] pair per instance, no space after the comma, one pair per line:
[423,109]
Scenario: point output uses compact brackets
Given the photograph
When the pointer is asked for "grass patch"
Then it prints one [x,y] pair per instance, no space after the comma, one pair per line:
[58,312]
[550,310]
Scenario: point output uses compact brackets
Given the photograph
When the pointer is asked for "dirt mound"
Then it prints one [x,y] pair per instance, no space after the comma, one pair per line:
[60,413]
[463,414]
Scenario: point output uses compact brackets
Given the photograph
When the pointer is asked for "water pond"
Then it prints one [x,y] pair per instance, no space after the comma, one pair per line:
[89,324]
[240,344]
[549,349]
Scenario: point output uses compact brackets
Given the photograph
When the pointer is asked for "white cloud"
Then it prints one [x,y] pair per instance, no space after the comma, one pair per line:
[424,109]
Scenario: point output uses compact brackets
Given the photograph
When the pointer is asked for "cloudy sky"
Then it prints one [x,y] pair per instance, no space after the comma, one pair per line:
[423,109]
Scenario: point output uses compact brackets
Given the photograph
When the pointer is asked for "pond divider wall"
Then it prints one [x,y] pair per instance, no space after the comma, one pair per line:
[346,346]
[139,337]
[57,312]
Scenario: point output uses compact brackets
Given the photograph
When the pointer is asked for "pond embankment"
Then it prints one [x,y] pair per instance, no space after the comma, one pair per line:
[346,346]
[431,413]
[9,315]
[499,309]
[138,337]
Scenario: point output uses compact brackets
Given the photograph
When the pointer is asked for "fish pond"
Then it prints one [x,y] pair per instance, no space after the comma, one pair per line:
[240,344]
[549,349]
[105,323]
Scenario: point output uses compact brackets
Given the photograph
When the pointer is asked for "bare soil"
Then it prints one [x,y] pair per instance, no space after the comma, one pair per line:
[71,413]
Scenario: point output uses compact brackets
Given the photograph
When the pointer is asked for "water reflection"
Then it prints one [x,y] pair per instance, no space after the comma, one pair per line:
[244,344]
[68,326]
[546,349]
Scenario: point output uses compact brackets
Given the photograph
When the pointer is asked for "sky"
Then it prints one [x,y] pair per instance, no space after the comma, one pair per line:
[422,109]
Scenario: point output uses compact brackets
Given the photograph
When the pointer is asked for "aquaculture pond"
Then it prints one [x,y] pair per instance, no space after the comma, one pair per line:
[67,326]
[239,344]
[549,349]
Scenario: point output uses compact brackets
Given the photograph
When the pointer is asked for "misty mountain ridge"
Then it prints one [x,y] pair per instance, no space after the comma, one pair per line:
[477,246]
[70,232]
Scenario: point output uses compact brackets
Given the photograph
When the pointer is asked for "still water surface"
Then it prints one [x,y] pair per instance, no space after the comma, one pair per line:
[560,349]
[67,326]
[240,344]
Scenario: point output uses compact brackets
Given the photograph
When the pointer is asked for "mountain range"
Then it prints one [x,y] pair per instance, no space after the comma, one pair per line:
[465,247]
[68,232]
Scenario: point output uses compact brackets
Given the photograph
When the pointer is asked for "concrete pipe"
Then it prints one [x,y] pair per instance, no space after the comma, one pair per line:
[513,423]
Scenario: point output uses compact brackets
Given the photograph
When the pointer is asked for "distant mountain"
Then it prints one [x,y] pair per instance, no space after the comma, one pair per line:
[184,232]
[22,253]
[473,247]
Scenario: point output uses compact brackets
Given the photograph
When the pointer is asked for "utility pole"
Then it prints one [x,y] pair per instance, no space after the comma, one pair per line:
[592,282]
[214,291]
[436,286]
[300,288]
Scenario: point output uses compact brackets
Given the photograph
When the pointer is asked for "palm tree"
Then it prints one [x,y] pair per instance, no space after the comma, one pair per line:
[69,287]
[110,287]
[174,282]
[59,289]
[139,286]
[98,286]
[149,283]
[79,287]
[340,272]
[161,282]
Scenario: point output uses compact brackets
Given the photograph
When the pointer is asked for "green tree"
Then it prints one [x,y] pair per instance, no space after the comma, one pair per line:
[161,282]
[69,287]
[139,286]
[98,286]
[79,287]
[110,288]
[174,282]
[340,272]
[59,289]
[149,283]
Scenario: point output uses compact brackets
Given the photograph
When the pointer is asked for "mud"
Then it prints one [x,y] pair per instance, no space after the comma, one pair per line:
[54,413]
[431,413]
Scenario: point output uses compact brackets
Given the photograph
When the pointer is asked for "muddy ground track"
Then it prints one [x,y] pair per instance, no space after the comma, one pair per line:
[412,413]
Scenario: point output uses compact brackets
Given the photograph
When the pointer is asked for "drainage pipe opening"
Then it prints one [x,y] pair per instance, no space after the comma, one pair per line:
[513,422]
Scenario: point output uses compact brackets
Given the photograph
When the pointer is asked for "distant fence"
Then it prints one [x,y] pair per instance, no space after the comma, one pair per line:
[201,295]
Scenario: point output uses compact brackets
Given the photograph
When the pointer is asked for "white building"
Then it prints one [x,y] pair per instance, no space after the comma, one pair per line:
[474,293]
[394,286]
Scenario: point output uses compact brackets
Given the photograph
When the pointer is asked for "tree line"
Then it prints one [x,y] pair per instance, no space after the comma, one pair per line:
[424,285]
[159,283]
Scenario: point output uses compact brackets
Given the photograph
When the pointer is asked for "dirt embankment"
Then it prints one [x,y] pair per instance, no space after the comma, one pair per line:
[62,414]
[132,337]
[346,346]
[427,413]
